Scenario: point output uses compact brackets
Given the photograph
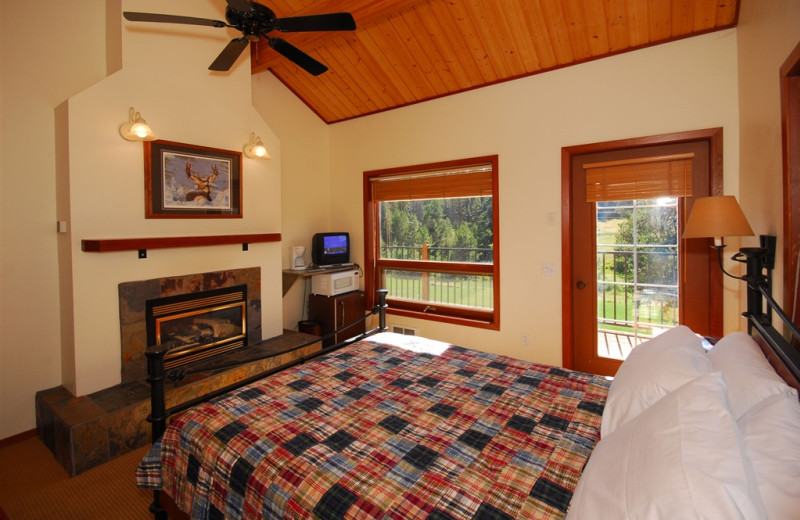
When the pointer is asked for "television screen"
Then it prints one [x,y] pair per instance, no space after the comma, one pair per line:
[330,248]
[334,244]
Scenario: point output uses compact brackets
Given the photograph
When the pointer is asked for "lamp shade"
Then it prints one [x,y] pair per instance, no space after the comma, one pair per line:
[716,217]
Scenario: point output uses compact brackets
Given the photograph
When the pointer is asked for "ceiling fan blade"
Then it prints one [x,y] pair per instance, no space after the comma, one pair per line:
[240,5]
[317,22]
[168,18]
[299,57]
[229,54]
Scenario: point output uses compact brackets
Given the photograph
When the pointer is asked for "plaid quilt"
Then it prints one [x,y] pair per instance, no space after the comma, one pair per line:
[423,430]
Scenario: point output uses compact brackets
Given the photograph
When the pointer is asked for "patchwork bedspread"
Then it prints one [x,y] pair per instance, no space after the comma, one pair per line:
[418,431]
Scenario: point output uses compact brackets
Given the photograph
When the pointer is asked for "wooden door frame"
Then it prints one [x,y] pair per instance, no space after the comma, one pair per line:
[790,118]
[714,138]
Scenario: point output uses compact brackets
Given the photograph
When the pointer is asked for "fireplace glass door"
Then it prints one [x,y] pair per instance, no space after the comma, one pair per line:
[198,325]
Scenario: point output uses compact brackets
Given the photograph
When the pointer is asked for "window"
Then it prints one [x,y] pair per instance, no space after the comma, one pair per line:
[431,240]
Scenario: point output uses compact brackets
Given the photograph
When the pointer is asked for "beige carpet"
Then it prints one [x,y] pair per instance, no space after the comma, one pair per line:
[34,486]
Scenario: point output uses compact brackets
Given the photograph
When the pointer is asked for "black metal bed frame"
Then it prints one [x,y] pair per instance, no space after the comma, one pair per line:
[760,308]
[156,376]
[782,352]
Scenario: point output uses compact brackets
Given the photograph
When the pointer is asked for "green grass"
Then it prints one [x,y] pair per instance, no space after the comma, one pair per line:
[607,231]
[653,314]
[472,291]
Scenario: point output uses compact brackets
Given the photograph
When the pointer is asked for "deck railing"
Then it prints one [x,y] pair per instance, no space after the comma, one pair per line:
[477,255]
[445,288]
[624,301]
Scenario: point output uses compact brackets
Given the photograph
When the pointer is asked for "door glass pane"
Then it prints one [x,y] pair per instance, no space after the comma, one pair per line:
[637,272]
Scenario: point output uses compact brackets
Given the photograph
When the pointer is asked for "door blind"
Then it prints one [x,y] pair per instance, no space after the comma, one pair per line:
[642,178]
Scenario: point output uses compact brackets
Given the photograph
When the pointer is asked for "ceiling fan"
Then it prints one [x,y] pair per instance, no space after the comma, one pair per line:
[255,20]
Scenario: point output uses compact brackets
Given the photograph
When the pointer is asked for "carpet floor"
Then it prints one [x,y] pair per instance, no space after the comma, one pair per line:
[34,486]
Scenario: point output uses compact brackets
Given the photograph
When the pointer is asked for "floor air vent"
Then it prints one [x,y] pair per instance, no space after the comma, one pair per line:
[400,329]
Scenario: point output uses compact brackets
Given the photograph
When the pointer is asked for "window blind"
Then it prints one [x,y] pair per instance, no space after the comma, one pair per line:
[471,181]
[644,178]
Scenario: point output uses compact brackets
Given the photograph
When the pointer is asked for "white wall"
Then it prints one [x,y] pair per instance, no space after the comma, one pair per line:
[165,76]
[61,149]
[685,85]
[305,178]
[37,74]
[526,122]
[767,34]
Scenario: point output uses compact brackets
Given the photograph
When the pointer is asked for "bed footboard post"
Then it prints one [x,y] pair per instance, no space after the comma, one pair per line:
[158,411]
[155,376]
[382,308]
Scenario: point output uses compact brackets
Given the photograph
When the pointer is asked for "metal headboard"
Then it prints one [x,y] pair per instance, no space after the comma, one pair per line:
[782,350]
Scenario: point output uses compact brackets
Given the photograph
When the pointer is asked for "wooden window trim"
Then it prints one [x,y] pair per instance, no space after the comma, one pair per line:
[373,265]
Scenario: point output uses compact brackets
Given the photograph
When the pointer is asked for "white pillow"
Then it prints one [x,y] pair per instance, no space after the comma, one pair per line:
[749,376]
[681,458]
[653,369]
[770,431]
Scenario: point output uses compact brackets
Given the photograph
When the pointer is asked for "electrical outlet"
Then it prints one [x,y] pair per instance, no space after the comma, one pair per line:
[525,339]
[549,270]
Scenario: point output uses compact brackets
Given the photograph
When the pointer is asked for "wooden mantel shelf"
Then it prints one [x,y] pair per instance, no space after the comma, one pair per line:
[106,245]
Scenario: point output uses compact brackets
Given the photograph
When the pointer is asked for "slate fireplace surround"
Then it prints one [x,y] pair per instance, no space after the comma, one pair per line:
[135,296]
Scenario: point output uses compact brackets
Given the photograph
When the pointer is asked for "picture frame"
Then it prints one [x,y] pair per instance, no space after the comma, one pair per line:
[189,181]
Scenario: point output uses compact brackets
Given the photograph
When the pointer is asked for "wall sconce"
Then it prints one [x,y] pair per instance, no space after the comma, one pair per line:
[255,148]
[722,216]
[136,128]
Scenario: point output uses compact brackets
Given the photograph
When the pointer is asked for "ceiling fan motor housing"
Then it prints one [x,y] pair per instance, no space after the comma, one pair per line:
[256,22]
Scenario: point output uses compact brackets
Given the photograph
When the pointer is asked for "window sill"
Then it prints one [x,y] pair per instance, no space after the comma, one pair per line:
[444,318]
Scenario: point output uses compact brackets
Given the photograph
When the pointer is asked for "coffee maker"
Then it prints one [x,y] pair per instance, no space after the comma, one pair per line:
[298,258]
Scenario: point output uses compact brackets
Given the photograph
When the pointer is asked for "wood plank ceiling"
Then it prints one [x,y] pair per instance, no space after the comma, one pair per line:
[408,51]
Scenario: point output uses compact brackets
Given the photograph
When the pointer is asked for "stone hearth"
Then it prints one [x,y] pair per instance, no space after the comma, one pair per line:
[83,432]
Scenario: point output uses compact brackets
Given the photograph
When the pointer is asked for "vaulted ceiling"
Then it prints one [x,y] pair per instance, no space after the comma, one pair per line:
[408,51]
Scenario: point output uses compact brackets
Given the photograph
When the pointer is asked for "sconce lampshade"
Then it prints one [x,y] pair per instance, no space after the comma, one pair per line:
[136,129]
[255,148]
[717,217]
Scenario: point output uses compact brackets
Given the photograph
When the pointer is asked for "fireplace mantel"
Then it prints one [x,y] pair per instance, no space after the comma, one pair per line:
[104,245]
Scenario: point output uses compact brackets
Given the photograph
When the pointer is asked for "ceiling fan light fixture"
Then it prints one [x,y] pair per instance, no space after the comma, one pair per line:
[255,149]
[136,129]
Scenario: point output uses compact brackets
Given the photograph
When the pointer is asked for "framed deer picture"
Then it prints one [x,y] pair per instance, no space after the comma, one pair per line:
[189,181]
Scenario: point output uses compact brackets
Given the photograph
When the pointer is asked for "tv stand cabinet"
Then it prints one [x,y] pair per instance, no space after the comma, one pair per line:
[333,312]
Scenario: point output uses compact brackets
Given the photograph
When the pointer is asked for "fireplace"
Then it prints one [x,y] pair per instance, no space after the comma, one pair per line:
[198,325]
[189,309]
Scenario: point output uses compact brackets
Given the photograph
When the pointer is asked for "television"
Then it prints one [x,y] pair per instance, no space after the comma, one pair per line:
[330,249]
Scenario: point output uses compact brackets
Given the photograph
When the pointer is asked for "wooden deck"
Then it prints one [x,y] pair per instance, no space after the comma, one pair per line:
[616,345]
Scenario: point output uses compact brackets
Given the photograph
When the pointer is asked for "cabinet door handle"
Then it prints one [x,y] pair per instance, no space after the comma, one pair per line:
[581,285]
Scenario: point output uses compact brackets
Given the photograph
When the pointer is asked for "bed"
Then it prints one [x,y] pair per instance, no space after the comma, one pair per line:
[400,427]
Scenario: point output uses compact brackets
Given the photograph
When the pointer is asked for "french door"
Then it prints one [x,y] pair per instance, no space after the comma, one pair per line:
[627,273]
